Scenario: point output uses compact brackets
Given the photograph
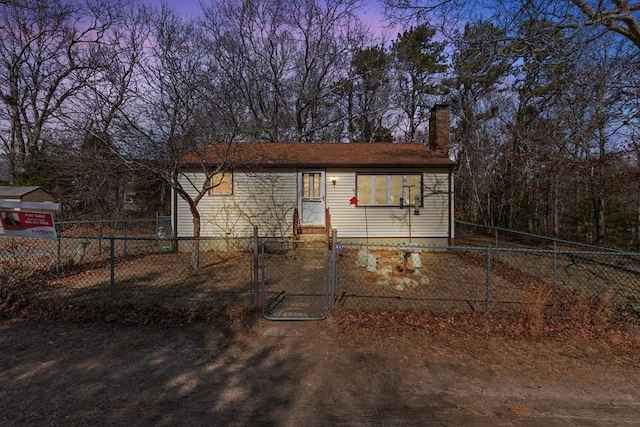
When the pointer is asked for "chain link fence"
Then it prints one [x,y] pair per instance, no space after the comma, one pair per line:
[137,272]
[294,279]
[291,280]
[502,281]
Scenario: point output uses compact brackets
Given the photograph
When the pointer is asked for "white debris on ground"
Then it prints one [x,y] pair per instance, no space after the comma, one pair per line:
[410,280]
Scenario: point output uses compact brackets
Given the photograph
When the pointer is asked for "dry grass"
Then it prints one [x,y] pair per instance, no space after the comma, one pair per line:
[16,271]
[534,300]
[542,305]
[592,311]
[580,310]
[604,311]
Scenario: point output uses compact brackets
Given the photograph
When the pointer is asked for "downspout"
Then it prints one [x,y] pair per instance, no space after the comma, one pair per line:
[174,202]
[450,209]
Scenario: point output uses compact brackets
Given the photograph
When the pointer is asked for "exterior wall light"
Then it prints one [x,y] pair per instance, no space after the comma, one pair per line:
[334,180]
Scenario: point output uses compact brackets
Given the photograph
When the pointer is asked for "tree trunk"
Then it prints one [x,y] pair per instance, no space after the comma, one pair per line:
[598,210]
[195,255]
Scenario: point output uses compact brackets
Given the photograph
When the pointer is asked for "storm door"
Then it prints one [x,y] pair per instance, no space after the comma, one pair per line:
[311,197]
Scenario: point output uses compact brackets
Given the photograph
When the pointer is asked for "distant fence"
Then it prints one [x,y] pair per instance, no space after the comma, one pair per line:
[105,228]
[148,271]
[468,233]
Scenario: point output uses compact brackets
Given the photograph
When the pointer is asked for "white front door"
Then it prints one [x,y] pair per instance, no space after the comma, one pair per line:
[311,186]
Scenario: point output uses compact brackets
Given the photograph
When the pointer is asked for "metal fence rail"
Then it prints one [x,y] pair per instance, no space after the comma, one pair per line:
[468,233]
[473,278]
[147,271]
[140,271]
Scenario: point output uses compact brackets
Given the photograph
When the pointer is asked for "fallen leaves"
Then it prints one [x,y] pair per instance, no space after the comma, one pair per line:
[619,334]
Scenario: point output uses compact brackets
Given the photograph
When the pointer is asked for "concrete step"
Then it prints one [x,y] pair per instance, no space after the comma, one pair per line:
[312,240]
[312,237]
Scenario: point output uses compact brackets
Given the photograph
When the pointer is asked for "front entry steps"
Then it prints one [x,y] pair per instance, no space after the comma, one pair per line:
[314,239]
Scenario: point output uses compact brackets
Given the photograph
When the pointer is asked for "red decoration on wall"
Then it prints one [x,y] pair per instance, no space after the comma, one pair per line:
[353,201]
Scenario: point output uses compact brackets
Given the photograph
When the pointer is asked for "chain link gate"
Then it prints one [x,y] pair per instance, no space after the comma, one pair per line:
[295,280]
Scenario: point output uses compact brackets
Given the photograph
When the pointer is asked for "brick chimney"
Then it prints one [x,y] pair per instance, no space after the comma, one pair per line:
[439,129]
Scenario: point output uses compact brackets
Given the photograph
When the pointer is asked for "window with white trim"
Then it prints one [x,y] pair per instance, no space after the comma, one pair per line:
[387,189]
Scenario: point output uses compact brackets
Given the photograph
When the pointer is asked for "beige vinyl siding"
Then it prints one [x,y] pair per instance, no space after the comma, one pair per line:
[264,199]
[267,199]
[386,222]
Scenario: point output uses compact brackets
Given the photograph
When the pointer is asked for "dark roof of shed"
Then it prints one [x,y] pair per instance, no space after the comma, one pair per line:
[325,154]
[17,190]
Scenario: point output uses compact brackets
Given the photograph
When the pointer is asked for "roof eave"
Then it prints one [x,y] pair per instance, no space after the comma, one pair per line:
[333,165]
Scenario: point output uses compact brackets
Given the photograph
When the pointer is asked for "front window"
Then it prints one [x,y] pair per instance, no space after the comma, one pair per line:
[222,184]
[387,190]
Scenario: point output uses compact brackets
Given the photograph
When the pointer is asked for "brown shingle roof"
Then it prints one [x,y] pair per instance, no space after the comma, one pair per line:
[325,154]
[16,191]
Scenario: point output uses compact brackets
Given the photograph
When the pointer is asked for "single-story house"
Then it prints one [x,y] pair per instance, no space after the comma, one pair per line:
[24,193]
[381,192]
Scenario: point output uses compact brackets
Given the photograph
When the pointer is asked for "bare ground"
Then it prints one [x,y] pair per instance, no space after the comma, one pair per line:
[311,374]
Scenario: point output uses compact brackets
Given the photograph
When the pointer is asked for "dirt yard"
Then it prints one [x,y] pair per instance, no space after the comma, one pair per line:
[331,372]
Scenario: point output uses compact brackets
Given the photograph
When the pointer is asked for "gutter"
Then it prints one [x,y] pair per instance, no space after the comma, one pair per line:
[418,165]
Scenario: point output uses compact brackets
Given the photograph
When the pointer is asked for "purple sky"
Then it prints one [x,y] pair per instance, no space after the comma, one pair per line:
[190,7]
[371,13]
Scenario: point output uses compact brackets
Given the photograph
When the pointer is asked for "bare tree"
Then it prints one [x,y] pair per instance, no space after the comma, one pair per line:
[327,31]
[169,124]
[480,68]
[280,61]
[46,57]
[596,102]
[444,15]
[94,114]
[255,49]
[618,16]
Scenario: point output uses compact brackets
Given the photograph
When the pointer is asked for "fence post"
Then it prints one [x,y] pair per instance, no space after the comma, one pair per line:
[555,264]
[112,262]
[99,225]
[125,236]
[58,258]
[334,266]
[488,284]
[256,260]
